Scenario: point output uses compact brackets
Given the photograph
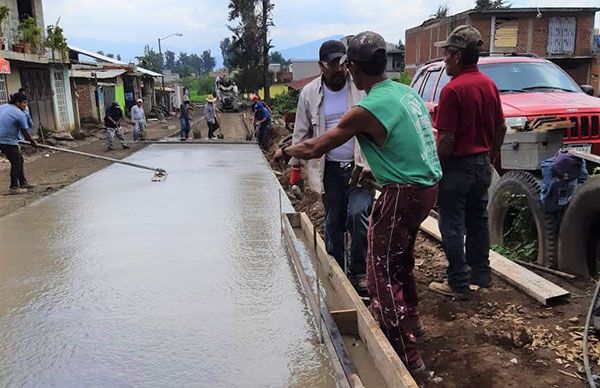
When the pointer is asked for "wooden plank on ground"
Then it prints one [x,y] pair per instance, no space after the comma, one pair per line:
[384,356]
[539,288]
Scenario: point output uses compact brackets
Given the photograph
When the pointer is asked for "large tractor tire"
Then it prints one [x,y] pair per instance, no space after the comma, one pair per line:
[579,237]
[525,187]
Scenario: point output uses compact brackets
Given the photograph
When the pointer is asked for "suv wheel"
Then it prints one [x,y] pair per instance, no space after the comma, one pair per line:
[518,222]
[578,243]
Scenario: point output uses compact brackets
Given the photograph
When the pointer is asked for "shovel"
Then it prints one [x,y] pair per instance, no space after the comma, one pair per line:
[159,173]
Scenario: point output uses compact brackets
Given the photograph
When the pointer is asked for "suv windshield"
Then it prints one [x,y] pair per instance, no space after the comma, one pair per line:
[529,77]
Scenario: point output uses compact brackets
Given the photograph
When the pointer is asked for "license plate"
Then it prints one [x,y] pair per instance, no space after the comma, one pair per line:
[587,148]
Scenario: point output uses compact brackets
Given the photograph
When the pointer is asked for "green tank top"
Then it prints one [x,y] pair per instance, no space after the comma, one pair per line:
[409,155]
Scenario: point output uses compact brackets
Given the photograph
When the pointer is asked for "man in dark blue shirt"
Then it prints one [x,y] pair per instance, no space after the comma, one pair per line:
[112,122]
[262,119]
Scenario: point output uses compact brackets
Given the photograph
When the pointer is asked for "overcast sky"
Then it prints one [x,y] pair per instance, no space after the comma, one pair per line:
[126,26]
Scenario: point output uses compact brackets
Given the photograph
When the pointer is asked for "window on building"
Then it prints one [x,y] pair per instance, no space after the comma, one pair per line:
[25,8]
[506,33]
[429,85]
[561,35]
[3,90]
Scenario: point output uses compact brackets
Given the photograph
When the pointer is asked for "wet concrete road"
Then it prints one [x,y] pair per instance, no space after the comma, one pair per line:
[119,281]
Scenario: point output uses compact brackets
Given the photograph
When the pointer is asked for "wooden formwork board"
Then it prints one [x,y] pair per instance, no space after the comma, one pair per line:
[383,354]
[345,372]
[540,289]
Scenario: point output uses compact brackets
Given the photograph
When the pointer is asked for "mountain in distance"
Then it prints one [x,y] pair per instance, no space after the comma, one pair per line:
[308,50]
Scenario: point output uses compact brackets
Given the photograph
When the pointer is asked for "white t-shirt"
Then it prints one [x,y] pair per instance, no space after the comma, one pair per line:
[335,104]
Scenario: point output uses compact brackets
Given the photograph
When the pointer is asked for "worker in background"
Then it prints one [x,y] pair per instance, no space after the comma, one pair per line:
[471,130]
[394,131]
[27,113]
[320,106]
[211,114]
[13,124]
[262,120]
[112,122]
[184,119]
[139,120]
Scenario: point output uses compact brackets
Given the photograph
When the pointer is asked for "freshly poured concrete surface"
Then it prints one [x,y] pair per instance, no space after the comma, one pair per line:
[119,281]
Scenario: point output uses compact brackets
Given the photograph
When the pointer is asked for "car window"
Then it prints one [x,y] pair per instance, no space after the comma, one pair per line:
[444,79]
[529,77]
[429,84]
[418,81]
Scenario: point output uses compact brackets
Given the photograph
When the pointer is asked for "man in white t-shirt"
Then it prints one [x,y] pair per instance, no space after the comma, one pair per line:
[320,106]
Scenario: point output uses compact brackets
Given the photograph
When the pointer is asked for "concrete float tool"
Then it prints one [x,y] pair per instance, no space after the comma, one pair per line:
[159,173]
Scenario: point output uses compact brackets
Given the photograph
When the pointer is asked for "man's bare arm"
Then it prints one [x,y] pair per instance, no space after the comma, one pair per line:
[445,144]
[28,137]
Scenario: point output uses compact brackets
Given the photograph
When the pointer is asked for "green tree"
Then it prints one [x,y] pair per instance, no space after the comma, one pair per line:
[244,52]
[110,55]
[225,45]
[401,46]
[150,60]
[441,12]
[277,57]
[491,4]
[118,57]
[169,60]
[208,62]
[100,52]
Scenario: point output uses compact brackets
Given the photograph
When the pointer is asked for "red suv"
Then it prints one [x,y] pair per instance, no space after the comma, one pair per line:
[529,87]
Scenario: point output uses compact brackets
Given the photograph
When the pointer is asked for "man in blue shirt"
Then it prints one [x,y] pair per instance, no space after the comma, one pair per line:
[13,122]
[262,119]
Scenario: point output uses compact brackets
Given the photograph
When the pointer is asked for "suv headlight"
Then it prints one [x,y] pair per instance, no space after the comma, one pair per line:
[515,124]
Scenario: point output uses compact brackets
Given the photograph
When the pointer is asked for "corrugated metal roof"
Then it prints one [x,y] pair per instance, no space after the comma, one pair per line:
[148,72]
[95,55]
[100,74]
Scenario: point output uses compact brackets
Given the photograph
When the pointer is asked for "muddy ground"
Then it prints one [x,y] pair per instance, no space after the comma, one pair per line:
[499,338]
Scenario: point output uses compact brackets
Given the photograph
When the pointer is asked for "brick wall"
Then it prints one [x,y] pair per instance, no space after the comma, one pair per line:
[595,75]
[532,36]
[86,100]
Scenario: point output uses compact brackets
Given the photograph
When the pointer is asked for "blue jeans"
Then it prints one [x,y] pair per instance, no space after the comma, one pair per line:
[185,127]
[346,209]
[462,203]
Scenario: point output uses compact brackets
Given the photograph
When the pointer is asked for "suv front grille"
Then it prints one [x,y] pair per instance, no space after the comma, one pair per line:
[586,128]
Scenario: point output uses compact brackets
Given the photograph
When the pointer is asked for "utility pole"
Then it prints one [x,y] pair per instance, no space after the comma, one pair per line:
[160,59]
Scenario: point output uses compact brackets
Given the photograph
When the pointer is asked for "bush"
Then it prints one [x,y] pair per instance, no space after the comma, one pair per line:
[286,102]
[200,88]
[404,79]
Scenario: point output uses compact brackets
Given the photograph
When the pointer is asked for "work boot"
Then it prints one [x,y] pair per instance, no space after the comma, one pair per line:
[28,186]
[16,191]
[445,289]
[359,282]
[125,146]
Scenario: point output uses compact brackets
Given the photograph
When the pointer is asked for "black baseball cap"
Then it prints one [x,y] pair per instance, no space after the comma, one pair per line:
[363,47]
[330,50]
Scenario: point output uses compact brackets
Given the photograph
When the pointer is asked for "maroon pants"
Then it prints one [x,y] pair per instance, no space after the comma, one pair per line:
[395,220]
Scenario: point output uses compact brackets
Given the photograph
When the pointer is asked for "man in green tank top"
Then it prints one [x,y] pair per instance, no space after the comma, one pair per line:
[395,134]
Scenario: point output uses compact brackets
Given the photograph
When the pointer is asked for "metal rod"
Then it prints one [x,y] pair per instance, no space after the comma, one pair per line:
[98,157]
[318,284]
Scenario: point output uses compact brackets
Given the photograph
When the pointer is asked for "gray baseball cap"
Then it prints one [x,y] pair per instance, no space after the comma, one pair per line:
[363,47]
[461,37]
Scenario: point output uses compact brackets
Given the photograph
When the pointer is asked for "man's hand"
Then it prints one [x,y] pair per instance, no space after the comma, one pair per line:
[33,143]
[368,181]
[278,156]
